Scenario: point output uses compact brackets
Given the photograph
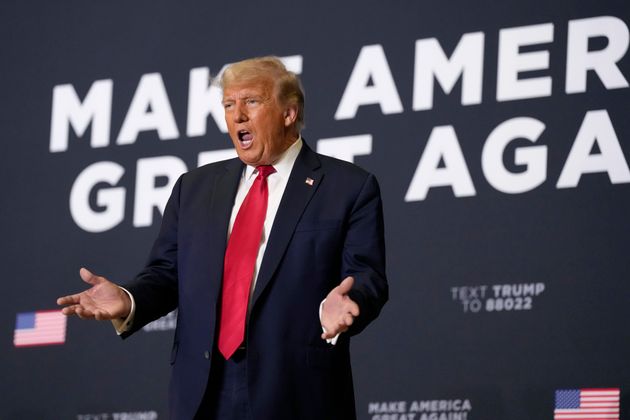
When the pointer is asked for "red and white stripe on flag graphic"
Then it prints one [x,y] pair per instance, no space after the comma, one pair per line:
[40,328]
[591,404]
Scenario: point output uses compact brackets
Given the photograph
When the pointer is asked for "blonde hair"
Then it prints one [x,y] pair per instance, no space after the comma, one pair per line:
[288,88]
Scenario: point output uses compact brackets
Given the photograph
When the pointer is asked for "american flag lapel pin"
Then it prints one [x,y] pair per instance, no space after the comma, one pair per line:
[309,181]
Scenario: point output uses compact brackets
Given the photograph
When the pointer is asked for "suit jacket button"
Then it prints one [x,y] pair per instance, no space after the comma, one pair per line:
[206,355]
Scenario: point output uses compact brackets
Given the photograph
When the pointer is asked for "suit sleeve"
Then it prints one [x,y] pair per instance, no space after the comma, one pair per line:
[364,254]
[155,288]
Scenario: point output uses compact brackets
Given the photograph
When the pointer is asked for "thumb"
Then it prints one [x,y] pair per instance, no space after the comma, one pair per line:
[346,285]
[88,277]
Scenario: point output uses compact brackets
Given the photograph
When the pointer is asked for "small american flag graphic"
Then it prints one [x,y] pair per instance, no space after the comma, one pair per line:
[39,328]
[590,403]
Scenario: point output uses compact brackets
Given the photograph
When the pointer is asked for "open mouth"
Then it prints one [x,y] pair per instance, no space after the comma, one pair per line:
[245,138]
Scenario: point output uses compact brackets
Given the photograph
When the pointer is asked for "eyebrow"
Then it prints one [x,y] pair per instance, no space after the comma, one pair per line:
[244,97]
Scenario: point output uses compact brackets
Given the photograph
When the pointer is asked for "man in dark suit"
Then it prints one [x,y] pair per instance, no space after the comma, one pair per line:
[307,232]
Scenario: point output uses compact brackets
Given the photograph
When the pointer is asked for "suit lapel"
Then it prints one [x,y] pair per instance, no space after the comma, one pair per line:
[294,200]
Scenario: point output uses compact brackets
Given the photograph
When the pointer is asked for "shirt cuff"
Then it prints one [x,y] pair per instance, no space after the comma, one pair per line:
[333,340]
[124,325]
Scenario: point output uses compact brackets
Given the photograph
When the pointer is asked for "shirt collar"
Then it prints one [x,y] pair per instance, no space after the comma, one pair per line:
[285,162]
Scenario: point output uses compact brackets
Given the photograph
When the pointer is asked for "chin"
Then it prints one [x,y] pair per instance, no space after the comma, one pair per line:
[248,160]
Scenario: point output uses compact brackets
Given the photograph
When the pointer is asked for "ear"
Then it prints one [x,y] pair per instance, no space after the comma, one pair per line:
[290,115]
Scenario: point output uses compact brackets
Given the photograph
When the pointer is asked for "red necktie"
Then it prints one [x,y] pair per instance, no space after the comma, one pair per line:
[239,263]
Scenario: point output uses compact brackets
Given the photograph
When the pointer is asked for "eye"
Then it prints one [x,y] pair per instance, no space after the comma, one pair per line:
[252,101]
[228,105]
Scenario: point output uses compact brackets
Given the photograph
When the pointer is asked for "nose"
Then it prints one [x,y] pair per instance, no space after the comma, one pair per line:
[240,113]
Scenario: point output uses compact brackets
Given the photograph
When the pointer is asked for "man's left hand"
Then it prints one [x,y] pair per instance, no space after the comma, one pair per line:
[338,310]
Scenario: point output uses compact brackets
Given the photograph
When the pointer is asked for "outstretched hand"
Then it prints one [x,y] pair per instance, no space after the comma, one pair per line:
[338,311]
[103,301]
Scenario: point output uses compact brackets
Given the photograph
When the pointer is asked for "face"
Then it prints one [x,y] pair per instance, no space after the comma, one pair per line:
[260,126]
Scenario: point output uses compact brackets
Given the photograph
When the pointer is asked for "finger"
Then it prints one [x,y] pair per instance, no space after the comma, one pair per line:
[348,320]
[353,308]
[345,286]
[69,310]
[329,331]
[68,300]
[342,328]
[88,277]
[329,334]
[84,313]
[78,312]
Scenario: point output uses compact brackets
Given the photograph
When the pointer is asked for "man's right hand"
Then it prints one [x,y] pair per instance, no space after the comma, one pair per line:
[103,301]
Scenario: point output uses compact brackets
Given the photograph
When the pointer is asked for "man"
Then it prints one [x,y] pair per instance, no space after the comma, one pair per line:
[260,254]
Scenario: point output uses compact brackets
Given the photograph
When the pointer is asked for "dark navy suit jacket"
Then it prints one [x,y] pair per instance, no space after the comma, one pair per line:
[322,233]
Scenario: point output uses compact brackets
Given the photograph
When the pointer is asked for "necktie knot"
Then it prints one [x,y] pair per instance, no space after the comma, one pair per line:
[265,170]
